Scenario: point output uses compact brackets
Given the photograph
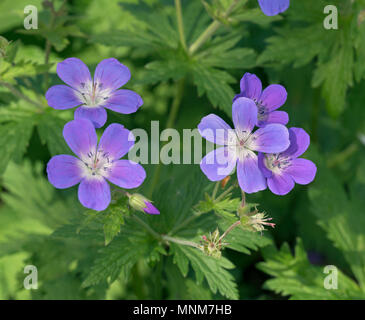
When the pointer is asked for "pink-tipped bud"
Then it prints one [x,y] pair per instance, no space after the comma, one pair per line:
[150,208]
[141,203]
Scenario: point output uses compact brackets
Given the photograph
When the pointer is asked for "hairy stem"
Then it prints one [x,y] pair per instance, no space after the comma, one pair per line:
[205,36]
[146,226]
[46,61]
[170,123]
[211,29]
[180,241]
[20,95]
[214,194]
[48,45]
[180,24]
[176,103]
[236,224]
[223,194]
[243,202]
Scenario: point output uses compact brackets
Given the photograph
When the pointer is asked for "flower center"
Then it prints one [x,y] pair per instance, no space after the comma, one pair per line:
[277,162]
[93,94]
[97,163]
[243,144]
[262,112]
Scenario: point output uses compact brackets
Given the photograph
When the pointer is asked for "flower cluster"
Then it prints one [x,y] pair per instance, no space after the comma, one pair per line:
[276,164]
[273,7]
[95,163]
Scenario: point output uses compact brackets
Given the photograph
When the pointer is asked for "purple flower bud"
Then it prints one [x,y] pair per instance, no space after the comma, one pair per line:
[141,203]
[150,208]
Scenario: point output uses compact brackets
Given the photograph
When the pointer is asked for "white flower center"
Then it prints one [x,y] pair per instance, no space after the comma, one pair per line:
[97,164]
[277,162]
[93,94]
[242,144]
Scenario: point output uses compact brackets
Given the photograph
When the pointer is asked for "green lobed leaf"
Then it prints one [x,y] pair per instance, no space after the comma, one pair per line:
[214,271]
[294,276]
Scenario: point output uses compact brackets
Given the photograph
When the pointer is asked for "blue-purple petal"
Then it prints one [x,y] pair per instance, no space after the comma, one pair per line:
[280,184]
[244,114]
[80,135]
[214,129]
[62,97]
[281,117]
[124,101]
[111,74]
[126,174]
[273,7]
[250,177]
[273,97]
[64,171]
[299,142]
[73,72]
[261,162]
[251,86]
[218,164]
[302,171]
[96,115]
[94,193]
[116,141]
[273,138]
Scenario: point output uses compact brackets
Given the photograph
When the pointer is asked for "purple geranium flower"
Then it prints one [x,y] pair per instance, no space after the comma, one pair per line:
[93,95]
[240,144]
[283,170]
[95,163]
[267,101]
[273,7]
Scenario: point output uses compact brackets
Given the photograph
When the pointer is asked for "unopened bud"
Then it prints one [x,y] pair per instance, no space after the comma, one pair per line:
[141,203]
[225,181]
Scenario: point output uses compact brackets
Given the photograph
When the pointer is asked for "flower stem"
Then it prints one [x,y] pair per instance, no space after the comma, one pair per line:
[243,202]
[48,45]
[186,222]
[211,29]
[205,36]
[180,241]
[147,227]
[180,24]
[215,190]
[237,223]
[176,103]
[19,94]
[170,123]
[223,194]
[46,61]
